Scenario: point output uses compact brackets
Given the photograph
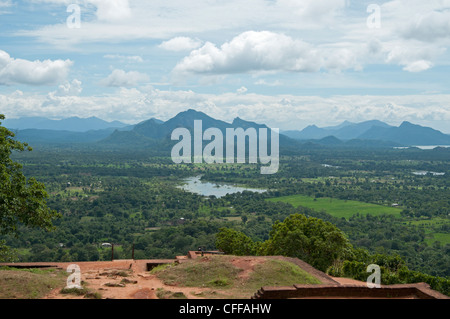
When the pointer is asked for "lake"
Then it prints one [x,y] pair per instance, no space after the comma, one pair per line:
[423,173]
[432,147]
[423,147]
[195,185]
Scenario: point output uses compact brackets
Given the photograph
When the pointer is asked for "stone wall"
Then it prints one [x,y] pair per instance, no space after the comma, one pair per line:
[407,291]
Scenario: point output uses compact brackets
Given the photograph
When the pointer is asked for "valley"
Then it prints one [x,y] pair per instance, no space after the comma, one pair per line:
[149,207]
[112,196]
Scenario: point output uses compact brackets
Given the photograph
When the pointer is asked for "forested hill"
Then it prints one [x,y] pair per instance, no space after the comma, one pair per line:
[154,132]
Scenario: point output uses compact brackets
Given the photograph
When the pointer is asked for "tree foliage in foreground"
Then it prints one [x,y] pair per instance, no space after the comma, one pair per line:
[22,201]
[393,271]
[326,248]
[313,240]
[233,242]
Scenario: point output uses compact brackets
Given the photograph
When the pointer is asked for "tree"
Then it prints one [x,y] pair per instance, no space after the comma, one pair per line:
[22,201]
[233,242]
[313,240]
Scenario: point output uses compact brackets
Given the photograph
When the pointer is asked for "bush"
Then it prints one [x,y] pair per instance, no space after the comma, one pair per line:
[232,242]
[395,273]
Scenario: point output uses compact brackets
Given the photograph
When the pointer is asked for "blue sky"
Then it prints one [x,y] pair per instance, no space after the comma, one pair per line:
[287,63]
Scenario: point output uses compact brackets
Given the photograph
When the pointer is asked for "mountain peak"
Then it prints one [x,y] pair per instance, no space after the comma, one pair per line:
[238,122]
[191,111]
[406,123]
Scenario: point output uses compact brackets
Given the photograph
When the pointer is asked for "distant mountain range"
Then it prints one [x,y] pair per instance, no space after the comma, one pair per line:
[71,124]
[157,132]
[153,131]
[407,134]
[344,131]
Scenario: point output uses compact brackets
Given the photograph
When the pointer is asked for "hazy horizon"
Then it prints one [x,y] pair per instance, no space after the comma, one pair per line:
[281,128]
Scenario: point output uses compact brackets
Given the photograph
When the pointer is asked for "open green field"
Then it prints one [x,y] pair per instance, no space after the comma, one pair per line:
[443,238]
[337,207]
[432,230]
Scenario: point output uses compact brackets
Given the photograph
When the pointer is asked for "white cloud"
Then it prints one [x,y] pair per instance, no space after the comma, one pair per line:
[264,82]
[20,71]
[265,51]
[415,33]
[106,10]
[126,58]
[302,36]
[316,21]
[428,27]
[121,78]
[252,52]
[69,88]
[418,66]
[242,90]
[112,11]
[413,56]
[123,20]
[334,31]
[313,13]
[4,4]
[181,44]
[281,111]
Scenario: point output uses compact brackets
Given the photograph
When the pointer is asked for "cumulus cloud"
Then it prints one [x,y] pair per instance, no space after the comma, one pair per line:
[430,26]
[108,10]
[69,88]
[408,23]
[415,33]
[121,78]
[265,51]
[20,71]
[279,111]
[252,52]
[414,57]
[181,44]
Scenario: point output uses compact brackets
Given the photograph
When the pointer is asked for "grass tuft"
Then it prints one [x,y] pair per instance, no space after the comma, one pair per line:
[29,283]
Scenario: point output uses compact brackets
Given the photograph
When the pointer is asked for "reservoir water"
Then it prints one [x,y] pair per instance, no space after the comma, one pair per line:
[195,185]
[423,147]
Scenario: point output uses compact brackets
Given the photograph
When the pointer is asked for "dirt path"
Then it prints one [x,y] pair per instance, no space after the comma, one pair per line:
[123,280]
[247,265]
[130,279]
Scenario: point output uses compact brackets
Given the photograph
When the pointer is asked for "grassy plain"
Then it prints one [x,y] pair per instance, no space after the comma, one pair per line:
[337,207]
